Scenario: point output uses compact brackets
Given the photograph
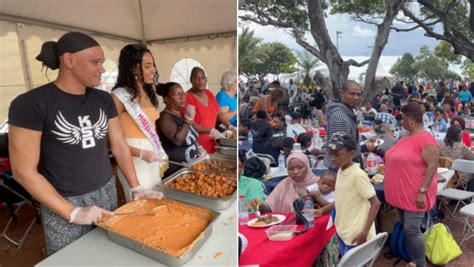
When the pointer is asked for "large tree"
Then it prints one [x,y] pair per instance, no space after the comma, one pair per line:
[431,67]
[276,58]
[455,20]
[403,69]
[301,16]
[248,52]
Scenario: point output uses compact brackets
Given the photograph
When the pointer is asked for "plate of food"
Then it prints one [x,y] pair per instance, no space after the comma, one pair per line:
[266,220]
[442,170]
[377,142]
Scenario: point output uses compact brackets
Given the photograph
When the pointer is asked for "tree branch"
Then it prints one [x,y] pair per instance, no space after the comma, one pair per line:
[414,27]
[358,17]
[352,62]
[425,27]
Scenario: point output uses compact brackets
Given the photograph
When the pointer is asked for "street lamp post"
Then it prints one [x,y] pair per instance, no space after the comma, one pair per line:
[337,39]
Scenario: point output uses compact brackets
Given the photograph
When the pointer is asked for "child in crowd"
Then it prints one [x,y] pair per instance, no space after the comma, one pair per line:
[323,192]
[356,202]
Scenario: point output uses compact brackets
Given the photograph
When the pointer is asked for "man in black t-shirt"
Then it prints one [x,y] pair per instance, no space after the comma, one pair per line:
[61,128]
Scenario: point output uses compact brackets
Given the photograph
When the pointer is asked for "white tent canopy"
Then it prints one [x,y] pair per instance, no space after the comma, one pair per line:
[202,31]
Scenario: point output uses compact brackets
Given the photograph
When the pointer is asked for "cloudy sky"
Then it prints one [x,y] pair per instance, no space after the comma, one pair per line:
[355,41]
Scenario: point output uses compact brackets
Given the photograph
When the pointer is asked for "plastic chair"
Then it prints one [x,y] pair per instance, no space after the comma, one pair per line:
[468,230]
[365,254]
[464,166]
[15,197]
[267,158]
[461,196]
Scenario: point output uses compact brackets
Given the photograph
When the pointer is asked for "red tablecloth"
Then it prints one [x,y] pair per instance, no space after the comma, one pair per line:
[302,250]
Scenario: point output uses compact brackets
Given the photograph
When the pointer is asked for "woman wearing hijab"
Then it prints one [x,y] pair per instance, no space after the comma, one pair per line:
[206,110]
[299,177]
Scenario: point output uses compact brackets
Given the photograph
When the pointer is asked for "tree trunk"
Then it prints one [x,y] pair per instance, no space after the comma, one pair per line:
[392,7]
[338,70]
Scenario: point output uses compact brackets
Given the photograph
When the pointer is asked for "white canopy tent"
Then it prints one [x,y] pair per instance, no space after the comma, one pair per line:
[179,33]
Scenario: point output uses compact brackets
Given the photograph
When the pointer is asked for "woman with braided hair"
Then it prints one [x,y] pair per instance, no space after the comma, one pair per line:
[137,103]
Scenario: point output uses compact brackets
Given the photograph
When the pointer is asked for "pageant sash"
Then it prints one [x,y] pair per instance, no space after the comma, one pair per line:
[141,119]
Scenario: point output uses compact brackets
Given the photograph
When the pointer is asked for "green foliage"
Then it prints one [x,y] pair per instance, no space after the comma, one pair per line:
[248,52]
[256,58]
[429,66]
[445,51]
[278,59]
[403,67]
[307,65]
[284,11]
[362,7]
[468,68]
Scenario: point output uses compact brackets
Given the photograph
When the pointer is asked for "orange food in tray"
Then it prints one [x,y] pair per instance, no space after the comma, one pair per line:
[174,229]
[207,184]
[213,165]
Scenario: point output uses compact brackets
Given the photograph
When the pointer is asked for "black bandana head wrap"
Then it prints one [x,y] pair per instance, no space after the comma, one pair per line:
[70,42]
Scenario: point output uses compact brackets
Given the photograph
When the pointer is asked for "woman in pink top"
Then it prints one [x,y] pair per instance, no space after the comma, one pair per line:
[410,178]
[207,111]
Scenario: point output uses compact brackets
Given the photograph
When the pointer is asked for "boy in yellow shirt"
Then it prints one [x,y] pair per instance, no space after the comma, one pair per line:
[356,202]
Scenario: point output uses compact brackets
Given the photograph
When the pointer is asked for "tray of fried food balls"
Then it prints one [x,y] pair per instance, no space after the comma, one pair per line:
[206,188]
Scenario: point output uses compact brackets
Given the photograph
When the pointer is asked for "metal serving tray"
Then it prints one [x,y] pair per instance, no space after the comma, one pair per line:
[227,151]
[227,142]
[195,199]
[227,160]
[160,255]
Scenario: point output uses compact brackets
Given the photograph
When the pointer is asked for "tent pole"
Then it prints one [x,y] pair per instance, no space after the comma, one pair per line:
[142,24]
[24,57]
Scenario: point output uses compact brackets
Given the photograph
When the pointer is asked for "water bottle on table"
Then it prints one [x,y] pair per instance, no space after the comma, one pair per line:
[243,212]
[281,162]
[308,211]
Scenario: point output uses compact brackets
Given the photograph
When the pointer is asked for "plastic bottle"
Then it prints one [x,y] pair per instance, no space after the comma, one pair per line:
[308,211]
[317,141]
[243,212]
[281,162]
[250,139]
[371,164]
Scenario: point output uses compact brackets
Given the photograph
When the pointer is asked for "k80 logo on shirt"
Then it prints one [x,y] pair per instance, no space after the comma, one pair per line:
[86,133]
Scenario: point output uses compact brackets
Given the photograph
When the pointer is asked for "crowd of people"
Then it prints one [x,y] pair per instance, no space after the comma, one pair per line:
[59,132]
[398,127]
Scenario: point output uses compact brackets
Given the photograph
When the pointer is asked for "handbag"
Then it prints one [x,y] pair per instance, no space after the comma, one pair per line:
[441,248]
[298,206]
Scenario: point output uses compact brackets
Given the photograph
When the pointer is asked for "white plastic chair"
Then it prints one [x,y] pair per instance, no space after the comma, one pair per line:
[462,196]
[468,230]
[464,166]
[365,254]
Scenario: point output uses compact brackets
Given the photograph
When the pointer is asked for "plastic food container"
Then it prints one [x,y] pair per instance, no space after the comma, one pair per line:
[280,232]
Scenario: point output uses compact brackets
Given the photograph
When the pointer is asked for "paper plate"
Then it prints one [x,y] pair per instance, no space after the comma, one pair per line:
[280,218]
[442,170]
[378,142]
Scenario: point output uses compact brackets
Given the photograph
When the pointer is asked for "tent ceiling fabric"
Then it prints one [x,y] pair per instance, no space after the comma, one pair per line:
[162,19]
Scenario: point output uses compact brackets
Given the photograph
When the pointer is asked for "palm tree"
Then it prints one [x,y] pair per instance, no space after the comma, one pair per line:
[308,65]
[248,52]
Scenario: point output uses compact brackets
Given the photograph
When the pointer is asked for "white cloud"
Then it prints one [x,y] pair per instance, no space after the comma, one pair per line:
[362,32]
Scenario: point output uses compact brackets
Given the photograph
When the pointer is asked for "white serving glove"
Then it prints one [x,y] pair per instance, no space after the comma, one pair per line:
[190,112]
[149,156]
[140,192]
[216,134]
[87,215]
